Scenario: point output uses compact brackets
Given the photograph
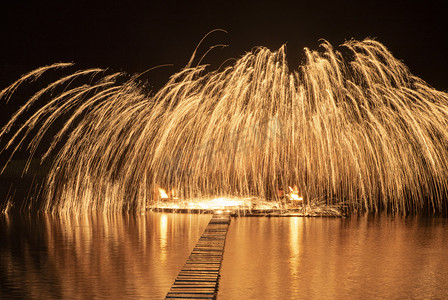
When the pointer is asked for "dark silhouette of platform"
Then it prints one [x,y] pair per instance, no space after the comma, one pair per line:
[199,277]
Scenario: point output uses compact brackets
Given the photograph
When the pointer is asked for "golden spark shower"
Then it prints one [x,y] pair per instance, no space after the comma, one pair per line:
[352,127]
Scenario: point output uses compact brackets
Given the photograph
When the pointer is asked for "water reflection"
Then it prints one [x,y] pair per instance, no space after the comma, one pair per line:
[94,256]
[295,243]
[359,257]
[163,237]
[135,257]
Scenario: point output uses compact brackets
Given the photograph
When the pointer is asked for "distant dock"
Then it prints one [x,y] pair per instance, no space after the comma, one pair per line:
[199,277]
[338,213]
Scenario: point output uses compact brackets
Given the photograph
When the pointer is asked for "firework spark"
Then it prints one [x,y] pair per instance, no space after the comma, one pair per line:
[357,129]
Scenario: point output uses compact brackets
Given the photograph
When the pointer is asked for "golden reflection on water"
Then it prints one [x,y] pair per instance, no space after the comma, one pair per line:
[362,257]
[295,242]
[163,237]
[124,256]
[94,256]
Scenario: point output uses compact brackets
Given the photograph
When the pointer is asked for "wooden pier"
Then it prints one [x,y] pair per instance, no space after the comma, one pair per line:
[199,277]
[296,212]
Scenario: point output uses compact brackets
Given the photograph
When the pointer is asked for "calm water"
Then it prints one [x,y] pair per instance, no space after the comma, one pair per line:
[95,257]
[138,257]
[354,258]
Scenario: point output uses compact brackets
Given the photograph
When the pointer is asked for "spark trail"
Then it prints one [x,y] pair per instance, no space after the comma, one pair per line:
[358,129]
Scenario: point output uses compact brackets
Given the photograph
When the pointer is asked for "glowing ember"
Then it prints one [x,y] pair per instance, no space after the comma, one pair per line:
[294,195]
[223,202]
[220,203]
[163,194]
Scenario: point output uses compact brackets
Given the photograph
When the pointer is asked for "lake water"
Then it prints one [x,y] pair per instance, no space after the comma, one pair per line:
[138,257]
[95,256]
[325,258]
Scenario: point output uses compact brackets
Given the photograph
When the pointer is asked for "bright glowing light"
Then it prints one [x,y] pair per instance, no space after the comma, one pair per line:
[353,125]
[224,202]
[294,194]
[163,194]
[296,197]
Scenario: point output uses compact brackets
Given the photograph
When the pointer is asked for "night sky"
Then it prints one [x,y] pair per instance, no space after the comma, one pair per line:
[133,36]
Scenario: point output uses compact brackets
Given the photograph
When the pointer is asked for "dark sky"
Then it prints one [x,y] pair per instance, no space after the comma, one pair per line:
[133,36]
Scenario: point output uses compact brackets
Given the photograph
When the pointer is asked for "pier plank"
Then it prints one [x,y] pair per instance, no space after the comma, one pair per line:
[199,277]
